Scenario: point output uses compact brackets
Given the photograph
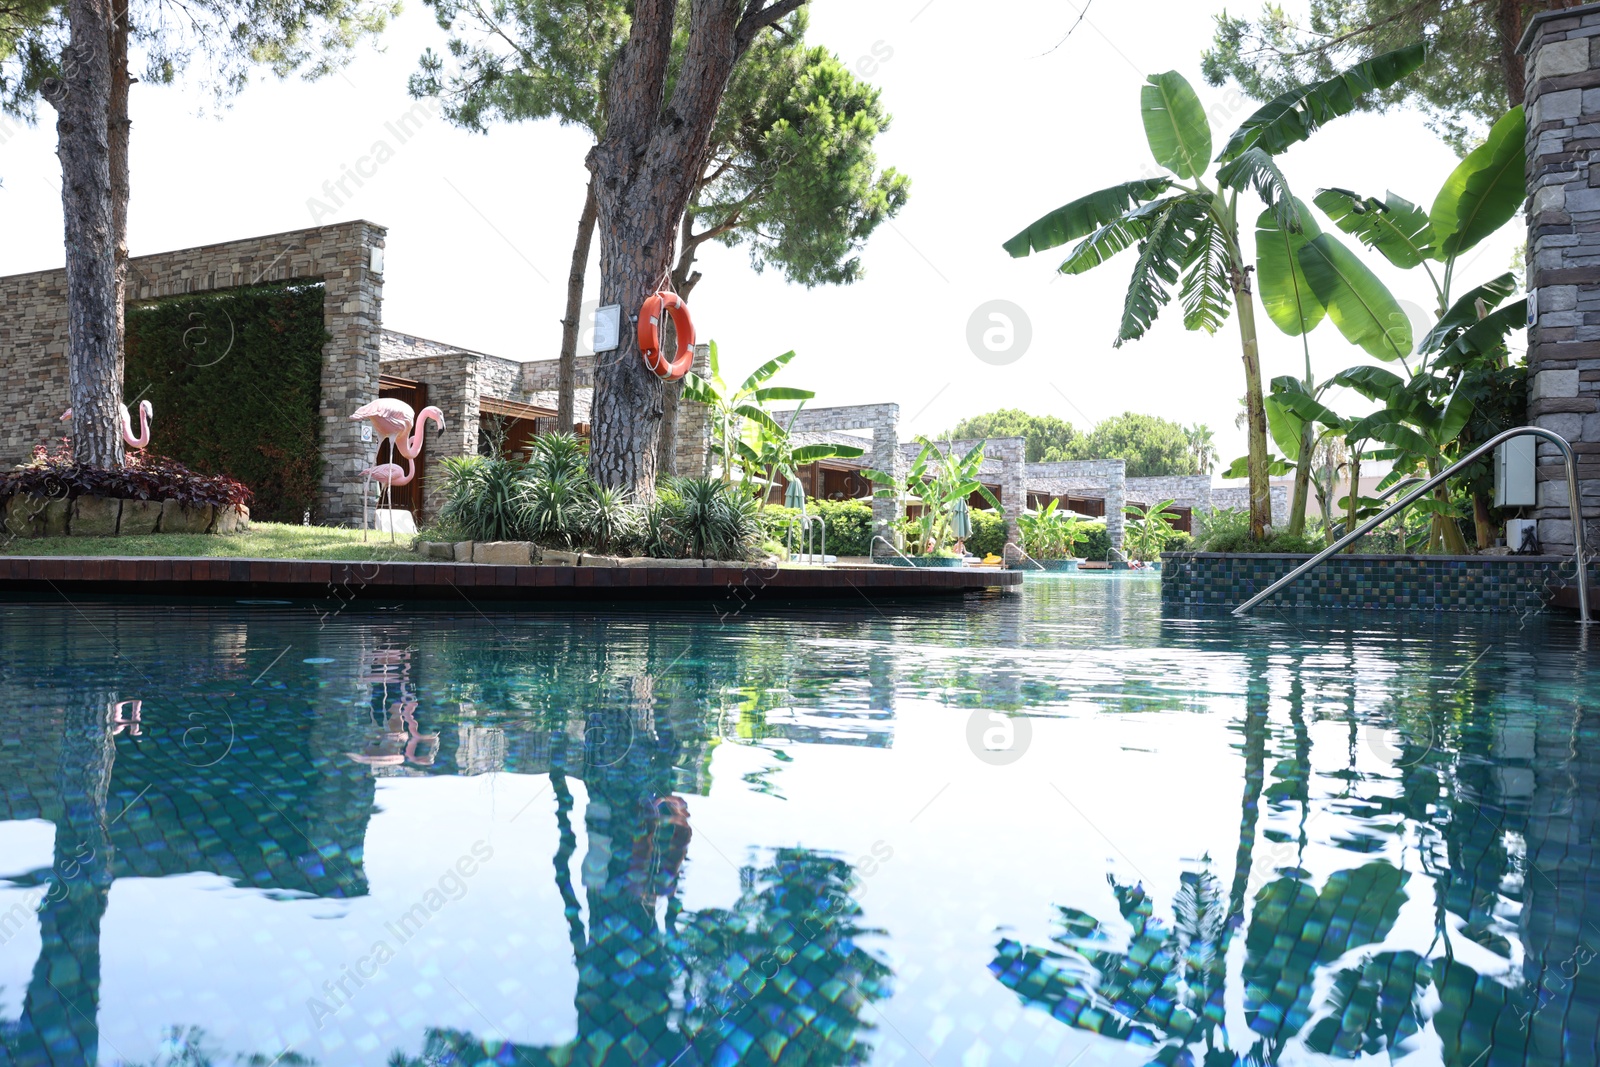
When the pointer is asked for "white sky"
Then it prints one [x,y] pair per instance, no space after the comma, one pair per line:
[992,132]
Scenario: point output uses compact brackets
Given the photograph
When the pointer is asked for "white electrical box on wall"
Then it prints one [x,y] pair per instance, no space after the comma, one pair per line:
[1514,466]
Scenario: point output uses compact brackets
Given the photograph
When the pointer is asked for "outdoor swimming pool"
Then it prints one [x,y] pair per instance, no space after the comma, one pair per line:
[1056,828]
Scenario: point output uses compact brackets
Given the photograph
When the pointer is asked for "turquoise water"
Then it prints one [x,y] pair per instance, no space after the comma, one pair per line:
[1056,828]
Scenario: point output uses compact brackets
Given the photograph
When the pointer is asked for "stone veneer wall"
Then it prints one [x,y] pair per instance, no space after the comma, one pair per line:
[1107,477]
[546,373]
[1562,50]
[1239,497]
[692,447]
[33,336]
[1008,455]
[1185,491]
[884,422]
[1509,585]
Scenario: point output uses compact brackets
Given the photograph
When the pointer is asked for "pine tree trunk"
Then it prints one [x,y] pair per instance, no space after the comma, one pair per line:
[654,150]
[82,100]
[118,128]
[567,371]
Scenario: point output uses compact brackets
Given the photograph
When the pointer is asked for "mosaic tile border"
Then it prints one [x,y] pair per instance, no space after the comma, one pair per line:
[1475,584]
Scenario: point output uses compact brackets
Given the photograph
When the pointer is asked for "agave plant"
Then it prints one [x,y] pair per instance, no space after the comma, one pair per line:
[702,518]
[1188,229]
[484,497]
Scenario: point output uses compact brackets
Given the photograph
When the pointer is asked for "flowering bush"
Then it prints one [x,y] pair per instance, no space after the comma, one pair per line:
[52,473]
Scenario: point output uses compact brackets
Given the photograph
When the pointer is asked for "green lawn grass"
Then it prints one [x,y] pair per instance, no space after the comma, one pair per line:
[264,540]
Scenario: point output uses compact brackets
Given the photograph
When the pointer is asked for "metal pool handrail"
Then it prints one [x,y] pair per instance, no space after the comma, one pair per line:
[1575,506]
[879,537]
[1023,553]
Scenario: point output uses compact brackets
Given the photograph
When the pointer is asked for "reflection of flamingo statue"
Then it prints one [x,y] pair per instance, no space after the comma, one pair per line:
[388,475]
[125,720]
[125,424]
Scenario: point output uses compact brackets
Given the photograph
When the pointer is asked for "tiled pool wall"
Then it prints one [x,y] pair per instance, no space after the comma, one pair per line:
[1517,584]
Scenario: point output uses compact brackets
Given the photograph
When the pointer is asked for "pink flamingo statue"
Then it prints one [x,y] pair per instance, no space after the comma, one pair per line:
[388,475]
[146,412]
[390,419]
[413,448]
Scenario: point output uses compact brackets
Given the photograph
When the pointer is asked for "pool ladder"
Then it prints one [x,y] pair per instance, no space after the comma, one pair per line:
[1580,557]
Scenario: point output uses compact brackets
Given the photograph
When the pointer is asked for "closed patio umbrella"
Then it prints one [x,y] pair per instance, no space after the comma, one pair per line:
[794,496]
[961,520]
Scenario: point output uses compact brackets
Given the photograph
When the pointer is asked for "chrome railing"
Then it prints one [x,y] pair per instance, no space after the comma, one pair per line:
[1580,557]
[1023,553]
[879,537]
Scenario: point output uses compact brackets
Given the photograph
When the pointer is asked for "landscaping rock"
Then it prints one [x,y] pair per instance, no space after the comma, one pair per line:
[244,516]
[36,516]
[587,560]
[503,553]
[175,518]
[140,517]
[437,550]
[227,521]
[463,551]
[553,558]
[96,516]
[646,561]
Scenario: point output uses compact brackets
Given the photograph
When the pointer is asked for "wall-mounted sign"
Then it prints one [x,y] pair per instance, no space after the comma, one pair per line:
[366,432]
[607,327]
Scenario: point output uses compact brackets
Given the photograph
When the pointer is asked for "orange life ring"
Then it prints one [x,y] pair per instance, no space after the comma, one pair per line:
[650,335]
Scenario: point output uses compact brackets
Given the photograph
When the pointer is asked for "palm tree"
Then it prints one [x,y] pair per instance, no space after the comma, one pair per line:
[729,406]
[1189,236]
[1202,446]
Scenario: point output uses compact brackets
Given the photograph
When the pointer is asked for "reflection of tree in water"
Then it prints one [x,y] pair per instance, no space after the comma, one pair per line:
[1463,791]
[778,977]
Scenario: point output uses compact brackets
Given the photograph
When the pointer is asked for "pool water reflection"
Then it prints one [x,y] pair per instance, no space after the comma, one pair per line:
[1049,829]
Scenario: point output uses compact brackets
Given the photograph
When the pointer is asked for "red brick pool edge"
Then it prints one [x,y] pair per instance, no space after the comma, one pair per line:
[297,579]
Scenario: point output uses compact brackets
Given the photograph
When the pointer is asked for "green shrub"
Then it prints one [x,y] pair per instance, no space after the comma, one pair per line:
[484,498]
[849,525]
[1097,545]
[235,378]
[1228,530]
[988,533]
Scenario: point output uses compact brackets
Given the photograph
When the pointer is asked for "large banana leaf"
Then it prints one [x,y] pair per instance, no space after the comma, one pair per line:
[1374,383]
[759,416]
[1465,312]
[1161,257]
[1289,300]
[1487,336]
[1257,170]
[1360,305]
[766,370]
[1277,467]
[1083,216]
[697,388]
[780,392]
[1175,124]
[1397,228]
[1291,393]
[1485,190]
[1293,116]
[1206,295]
[1391,429]
[812,453]
[1457,411]
[1285,426]
[1113,237]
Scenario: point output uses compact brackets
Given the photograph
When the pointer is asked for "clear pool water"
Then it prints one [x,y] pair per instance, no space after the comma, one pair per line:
[1052,829]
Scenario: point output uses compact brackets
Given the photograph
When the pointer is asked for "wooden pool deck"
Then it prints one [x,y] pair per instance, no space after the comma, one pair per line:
[301,579]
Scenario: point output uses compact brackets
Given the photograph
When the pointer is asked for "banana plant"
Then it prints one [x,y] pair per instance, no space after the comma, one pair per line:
[1149,529]
[937,480]
[1187,228]
[1052,534]
[773,454]
[730,408]
[1462,363]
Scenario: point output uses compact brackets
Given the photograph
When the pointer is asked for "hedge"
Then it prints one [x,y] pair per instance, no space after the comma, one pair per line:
[988,533]
[235,378]
[849,525]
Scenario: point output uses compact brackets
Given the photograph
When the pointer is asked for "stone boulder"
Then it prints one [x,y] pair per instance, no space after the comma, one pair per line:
[503,553]
[436,550]
[228,521]
[553,558]
[96,516]
[463,551]
[36,516]
[175,518]
[140,517]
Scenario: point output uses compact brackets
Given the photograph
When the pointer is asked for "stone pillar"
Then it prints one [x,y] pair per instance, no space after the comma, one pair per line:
[353,314]
[692,448]
[1116,500]
[1562,50]
[1013,454]
[886,457]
